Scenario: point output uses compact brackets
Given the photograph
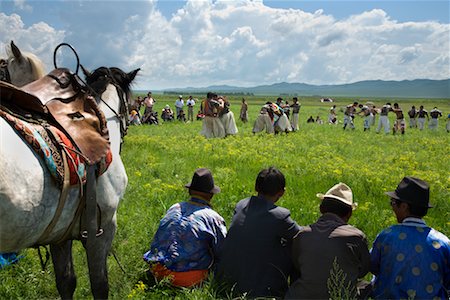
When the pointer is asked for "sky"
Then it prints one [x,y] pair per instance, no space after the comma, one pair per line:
[200,43]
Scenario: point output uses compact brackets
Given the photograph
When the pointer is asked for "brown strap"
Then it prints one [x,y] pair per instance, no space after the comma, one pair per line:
[62,198]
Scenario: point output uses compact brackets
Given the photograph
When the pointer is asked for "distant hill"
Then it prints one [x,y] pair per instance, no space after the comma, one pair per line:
[419,88]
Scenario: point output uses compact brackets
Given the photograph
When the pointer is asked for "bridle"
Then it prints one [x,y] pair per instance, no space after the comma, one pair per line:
[96,89]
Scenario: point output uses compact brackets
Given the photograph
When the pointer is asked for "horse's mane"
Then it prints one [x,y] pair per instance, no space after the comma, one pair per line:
[36,64]
[119,76]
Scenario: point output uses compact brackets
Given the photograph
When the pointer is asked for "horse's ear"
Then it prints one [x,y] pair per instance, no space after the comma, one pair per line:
[85,71]
[132,75]
[16,51]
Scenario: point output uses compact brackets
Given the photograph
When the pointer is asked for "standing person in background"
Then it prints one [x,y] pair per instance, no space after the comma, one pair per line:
[384,120]
[399,124]
[331,240]
[264,121]
[448,123]
[243,115]
[227,117]
[374,112]
[190,103]
[349,115]
[179,104]
[421,114]
[212,126]
[412,114]
[295,113]
[435,114]
[367,114]
[332,117]
[256,255]
[137,105]
[148,102]
[188,240]
[410,260]
[287,109]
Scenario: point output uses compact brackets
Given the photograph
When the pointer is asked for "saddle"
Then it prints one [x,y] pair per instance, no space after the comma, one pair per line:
[59,100]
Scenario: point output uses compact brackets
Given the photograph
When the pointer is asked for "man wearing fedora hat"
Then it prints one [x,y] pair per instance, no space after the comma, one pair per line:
[329,241]
[189,236]
[255,257]
[410,259]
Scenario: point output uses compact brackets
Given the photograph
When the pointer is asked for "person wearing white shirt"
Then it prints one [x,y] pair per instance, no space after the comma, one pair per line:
[190,104]
[179,104]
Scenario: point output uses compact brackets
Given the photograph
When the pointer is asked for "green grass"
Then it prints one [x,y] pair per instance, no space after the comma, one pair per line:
[161,159]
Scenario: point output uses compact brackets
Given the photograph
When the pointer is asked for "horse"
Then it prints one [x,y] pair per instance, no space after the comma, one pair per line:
[29,195]
[22,67]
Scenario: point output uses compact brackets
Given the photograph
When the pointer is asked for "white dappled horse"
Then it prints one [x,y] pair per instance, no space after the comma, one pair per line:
[29,195]
[23,67]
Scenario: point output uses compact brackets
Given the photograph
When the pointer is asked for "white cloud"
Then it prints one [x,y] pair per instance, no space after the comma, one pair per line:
[21,4]
[39,39]
[247,43]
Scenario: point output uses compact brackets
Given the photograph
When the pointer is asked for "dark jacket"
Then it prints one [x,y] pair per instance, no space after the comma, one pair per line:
[315,249]
[255,257]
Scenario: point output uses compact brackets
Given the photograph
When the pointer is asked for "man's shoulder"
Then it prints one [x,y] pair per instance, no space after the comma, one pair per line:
[348,230]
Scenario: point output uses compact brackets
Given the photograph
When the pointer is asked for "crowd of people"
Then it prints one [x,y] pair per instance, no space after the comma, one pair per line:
[265,253]
[280,116]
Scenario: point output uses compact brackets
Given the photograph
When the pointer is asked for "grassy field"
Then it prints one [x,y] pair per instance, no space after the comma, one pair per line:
[161,159]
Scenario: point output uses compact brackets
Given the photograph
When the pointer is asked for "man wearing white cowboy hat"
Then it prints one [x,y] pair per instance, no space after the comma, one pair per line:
[330,240]
[410,259]
[189,236]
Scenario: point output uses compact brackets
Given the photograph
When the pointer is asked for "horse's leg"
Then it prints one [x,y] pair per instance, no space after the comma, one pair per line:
[66,280]
[97,255]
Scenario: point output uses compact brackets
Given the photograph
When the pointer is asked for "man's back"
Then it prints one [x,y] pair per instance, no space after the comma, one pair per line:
[315,249]
[256,255]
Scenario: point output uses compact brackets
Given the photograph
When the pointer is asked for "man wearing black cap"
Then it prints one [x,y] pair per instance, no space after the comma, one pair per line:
[189,236]
[411,260]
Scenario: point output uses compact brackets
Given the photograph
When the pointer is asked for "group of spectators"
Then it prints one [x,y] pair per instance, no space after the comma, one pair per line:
[265,253]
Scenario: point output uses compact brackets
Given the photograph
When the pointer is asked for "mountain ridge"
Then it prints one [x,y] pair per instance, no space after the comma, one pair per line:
[417,88]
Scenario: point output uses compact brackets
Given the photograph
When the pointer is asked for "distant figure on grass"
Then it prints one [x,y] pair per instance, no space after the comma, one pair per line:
[212,126]
[349,115]
[264,121]
[366,112]
[148,103]
[327,242]
[167,114]
[179,105]
[383,121]
[412,114]
[421,115]
[189,236]
[332,116]
[280,120]
[190,103]
[411,260]
[399,124]
[310,120]
[319,120]
[448,123]
[435,114]
[227,117]
[295,113]
[256,255]
[134,118]
[243,115]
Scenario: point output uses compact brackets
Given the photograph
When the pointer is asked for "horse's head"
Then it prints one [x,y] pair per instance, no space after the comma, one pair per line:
[23,67]
[112,88]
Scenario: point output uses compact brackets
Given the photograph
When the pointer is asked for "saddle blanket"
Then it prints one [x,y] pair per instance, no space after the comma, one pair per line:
[48,142]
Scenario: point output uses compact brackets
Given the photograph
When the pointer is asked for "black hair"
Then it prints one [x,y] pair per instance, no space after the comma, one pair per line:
[270,181]
[331,205]
[414,210]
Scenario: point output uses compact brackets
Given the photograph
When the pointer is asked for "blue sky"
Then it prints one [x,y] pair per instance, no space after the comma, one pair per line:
[241,42]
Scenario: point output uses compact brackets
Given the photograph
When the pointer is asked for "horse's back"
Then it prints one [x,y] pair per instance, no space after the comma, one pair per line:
[28,193]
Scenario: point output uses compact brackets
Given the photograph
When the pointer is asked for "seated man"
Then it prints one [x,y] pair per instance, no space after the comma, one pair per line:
[329,241]
[256,255]
[189,236]
[410,260]
[167,113]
